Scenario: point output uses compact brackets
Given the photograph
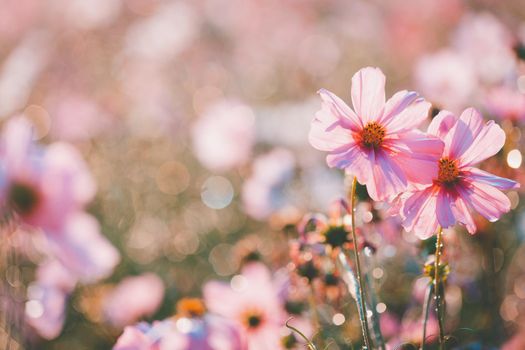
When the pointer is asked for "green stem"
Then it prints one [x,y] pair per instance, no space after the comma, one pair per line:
[439,288]
[364,315]
[426,309]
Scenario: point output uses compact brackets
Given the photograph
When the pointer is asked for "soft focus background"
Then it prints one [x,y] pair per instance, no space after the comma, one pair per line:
[193,117]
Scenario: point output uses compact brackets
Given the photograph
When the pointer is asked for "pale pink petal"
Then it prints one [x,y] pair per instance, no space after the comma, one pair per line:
[65,164]
[16,144]
[417,154]
[501,183]
[48,321]
[368,94]
[487,143]
[419,213]
[340,110]
[444,212]
[327,133]
[133,298]
[388,178]
[485,199]
[441,124]
[462,134]
[220,299]
[356,162]
[83,250]
[462,214]
[133,339]
[404,111]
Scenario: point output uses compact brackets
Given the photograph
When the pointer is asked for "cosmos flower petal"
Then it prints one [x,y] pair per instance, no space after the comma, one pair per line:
[354,160]
[441,124]
[486,143]
[16,144]
[340,110]
[368,94]
[487,178]
[83,250]
[444,212]
[388,178]
[327,133]
[419,213]
[404,111]
[462,214]
[220,298]
[472,141]
[417,154]
[485,199]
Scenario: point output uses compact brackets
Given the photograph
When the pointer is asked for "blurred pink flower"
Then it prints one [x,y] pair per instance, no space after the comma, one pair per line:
[378,142]
[42,186]
[446,78]
[47,296]
[133,298]
[262,192]
[487,44]
[506,103]
[458,187]
[252,301]
[199,333]
[47,188]
[223,137]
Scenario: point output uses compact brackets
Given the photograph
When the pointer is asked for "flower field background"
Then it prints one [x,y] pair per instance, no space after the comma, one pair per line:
[262,174]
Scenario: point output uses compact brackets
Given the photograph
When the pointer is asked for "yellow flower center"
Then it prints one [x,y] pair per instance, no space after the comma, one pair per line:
[448,171]
[373,135]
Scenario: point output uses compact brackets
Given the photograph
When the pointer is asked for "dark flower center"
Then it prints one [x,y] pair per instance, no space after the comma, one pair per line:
[448,171]
[336,236]
[373,135]
[23,198]
[253,319]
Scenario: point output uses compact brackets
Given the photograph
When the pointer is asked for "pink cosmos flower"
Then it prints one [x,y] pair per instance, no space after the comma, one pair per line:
[252,301]
[377,142]
[459,188]
[47,188]
[133,298]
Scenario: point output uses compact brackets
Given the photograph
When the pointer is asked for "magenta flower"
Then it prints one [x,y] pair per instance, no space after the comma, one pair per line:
[458,188]
[377,141]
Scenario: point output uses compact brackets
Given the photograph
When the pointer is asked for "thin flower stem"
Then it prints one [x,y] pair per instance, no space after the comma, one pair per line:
[313,307]
[376,328]
[363,318]
[426,309]
[309,343]
[439,288]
